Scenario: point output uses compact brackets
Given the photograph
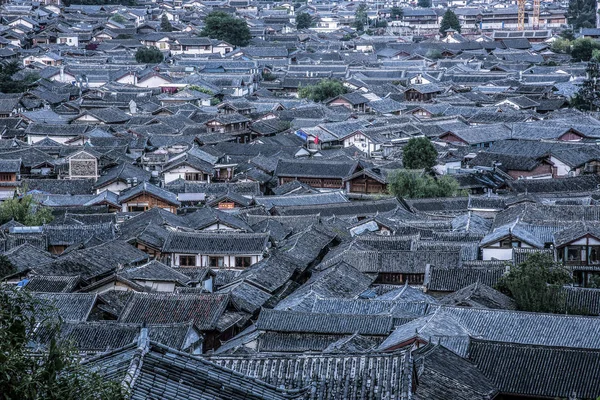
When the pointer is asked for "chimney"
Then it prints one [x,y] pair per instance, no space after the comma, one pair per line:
[132,107]
[427,277]
[154,179]
[62,73]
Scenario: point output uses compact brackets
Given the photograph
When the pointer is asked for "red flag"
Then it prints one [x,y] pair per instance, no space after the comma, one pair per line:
[316,140]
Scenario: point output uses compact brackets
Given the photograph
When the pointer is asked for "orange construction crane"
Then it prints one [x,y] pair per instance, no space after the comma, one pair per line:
[521,20]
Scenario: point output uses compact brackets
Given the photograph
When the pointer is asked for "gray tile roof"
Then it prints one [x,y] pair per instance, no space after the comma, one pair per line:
[559,372]
[52,283]
[73,307]
[221,243]
[166,373]
[155,271]
[150,189]
[315,168]
[452,279]
[292,321]
[292,371]
[407,262]
[443,374]
[301,200]
[94,261]
[203,310]
[99,337]
[500,325]
[360,209]
[479,295]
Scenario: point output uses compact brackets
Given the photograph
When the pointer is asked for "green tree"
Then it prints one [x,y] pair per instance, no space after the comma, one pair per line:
[434,54]
[588,97]
[567,34]
[6,267]
[561,46]
[594,281]
[582,14]
[537,284]
[118,18]
[583,49]
[419,153]
[149,55]
[201,89]
[26,210]
[222,26]
[268,76]
[303,21]
[10,84]
[53,375]
[424,3]
[449,21]
[165,24]
[325,89]
[361,18]
[397,13]
[416,185]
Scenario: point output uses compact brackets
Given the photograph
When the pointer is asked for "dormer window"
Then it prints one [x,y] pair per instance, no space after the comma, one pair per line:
[509,243]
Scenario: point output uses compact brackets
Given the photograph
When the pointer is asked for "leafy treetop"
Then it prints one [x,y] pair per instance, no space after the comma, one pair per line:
[449,21]
[165,24]
[419,153]
[118,18]
[416,185]
[325,89]
[26,210]
[149,55]
[582,14]
[397,12]
[303,21]
[582,49]
[222,26]
[537,284]
[8,84]
[55,374]
[361,18]
[588,97]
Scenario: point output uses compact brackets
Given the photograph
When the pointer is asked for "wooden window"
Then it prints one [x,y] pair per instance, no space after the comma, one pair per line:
[390,278]
[216,262]
[400,279]
[243,262]
[191,176]
[226,205]
[594,254]
[6,177]
[187,261]
[415,279]
[573,253]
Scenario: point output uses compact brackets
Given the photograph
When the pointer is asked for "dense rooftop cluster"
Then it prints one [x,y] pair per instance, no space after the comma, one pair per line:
[215,233]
